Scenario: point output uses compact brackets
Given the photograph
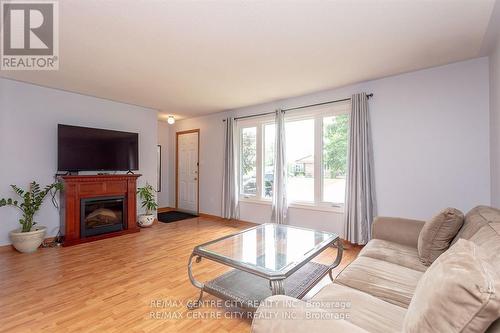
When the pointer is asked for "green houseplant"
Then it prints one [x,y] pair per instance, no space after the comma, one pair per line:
[29,237]
[148,202]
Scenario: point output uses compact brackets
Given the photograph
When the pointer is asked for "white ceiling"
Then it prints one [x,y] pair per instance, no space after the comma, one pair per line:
[196,57]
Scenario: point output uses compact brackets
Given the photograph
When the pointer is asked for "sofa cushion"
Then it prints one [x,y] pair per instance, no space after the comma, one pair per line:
[397,230]
[437,234]
[393,252]
[477,218]
[365,310]
[482,226]
[283,314]
[387,281]
[460,292]
[489,240]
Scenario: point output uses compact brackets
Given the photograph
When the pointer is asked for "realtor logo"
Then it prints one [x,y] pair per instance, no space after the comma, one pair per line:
[30,35]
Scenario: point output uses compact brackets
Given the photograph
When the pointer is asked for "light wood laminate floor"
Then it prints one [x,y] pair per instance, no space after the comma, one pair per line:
[131,283]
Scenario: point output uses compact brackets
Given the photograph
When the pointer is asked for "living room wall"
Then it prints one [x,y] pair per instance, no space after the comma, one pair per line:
[29,115]
[431,145]
[495,122]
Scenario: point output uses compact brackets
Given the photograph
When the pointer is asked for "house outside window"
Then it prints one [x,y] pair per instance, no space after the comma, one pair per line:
[304,166]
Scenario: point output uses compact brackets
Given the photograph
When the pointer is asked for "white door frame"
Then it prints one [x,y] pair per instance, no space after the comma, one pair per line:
[177,168]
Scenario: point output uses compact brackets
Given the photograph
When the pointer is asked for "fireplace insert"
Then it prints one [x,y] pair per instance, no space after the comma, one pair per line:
[102,215]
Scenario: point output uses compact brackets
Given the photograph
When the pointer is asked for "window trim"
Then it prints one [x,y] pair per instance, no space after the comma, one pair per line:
[296,205]
[316,113]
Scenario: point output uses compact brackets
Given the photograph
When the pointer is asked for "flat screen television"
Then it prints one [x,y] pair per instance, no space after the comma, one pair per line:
[93,149]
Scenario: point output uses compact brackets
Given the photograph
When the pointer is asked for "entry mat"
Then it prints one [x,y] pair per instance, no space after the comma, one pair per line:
[174,216]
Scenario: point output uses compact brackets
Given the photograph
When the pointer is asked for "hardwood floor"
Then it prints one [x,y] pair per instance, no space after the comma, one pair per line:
[94,287]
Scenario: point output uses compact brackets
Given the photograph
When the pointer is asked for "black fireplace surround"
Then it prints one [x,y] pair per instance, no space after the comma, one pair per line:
[102,215]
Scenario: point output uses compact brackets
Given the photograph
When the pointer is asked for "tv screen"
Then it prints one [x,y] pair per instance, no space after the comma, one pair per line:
[93,149]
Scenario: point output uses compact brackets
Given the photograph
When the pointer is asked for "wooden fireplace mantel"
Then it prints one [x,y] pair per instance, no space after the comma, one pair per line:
[94,186]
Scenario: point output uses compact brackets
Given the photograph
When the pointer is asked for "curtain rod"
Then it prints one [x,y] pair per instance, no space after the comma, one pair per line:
[298,107]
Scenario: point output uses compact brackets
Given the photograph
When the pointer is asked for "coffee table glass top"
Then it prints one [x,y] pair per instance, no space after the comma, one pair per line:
[268,248]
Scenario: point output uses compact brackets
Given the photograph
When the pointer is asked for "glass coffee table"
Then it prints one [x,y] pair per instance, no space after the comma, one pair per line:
[269,259]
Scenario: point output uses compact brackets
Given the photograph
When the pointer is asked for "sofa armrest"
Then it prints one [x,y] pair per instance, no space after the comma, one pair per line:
[398,230]
[283,314]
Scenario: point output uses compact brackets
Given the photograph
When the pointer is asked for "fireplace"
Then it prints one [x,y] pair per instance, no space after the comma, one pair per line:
[95,207]
[102,215]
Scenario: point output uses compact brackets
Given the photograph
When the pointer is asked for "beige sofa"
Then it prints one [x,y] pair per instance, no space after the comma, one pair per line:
[372,294]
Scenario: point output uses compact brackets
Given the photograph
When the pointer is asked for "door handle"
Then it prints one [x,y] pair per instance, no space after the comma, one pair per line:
[195,178]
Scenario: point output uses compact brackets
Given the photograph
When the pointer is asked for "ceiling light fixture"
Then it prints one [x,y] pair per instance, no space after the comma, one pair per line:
[171,120]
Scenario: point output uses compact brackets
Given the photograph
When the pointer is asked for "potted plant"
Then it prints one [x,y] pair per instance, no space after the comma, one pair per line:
[146,194]
[28,238]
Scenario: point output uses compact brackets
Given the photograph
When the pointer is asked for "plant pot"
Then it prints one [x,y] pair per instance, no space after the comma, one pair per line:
[146,220]
[28,242]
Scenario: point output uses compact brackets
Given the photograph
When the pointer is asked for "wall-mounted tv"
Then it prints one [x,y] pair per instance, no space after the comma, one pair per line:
[93,149]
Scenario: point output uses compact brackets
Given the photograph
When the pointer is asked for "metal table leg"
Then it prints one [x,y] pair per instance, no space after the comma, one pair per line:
[340,250]
[194,282]
[277,287]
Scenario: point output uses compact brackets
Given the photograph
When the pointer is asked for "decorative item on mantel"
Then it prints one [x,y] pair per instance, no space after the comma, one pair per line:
[29,237]
[149,203]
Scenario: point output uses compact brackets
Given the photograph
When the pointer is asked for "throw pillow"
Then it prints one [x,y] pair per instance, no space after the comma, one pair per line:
[437,234]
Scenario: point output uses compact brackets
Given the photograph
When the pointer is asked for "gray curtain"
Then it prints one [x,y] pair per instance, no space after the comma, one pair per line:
[360,206]
[280,205]
[230,209]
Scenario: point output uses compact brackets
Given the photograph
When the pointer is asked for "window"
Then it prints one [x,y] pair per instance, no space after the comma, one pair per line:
[268,170]
[300,160]
[335,132]
[248,161]
[316,156]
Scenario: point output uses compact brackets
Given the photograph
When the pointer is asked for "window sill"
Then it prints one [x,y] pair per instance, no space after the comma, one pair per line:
[321,208]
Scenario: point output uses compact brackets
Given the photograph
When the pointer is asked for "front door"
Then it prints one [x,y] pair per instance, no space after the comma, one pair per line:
[187,171]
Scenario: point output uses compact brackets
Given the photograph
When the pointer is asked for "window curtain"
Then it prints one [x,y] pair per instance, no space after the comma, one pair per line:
[230,209]
[360,198]
[280,205]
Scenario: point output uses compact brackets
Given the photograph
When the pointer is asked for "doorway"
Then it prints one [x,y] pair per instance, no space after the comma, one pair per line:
[187,171]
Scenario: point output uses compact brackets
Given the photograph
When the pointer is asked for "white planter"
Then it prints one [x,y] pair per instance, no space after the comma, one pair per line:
[146,220]
[28,242]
